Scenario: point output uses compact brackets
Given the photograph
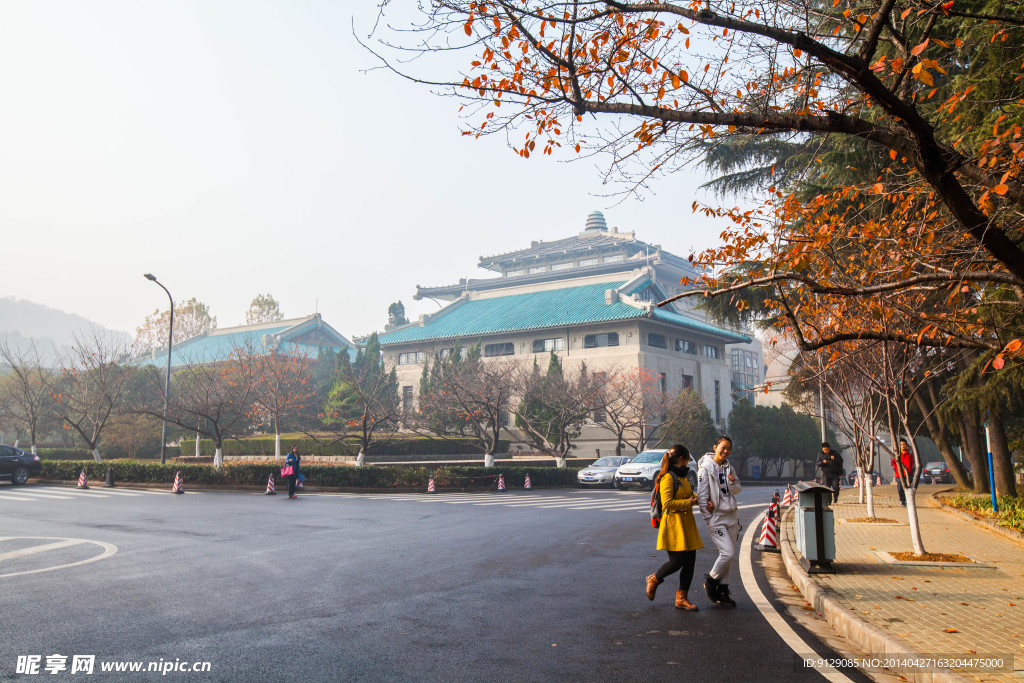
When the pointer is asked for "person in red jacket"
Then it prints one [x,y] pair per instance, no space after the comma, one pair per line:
[906,469]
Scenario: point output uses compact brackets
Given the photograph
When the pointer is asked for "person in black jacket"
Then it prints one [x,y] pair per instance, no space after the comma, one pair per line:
[831,465]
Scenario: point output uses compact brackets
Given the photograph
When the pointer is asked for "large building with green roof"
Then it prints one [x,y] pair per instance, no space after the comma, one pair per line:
[589,297]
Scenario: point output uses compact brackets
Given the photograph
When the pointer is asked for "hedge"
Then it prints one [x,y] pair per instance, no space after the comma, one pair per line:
[378,476]
[420,445]
[85,454]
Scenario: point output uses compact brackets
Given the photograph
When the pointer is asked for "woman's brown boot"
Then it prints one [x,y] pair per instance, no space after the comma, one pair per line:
[652,585]
[683,603]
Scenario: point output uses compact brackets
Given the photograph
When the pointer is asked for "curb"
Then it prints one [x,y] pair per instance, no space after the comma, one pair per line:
[989,524]
[866,635]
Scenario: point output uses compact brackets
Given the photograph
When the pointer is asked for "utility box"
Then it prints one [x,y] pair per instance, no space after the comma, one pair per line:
[815,527]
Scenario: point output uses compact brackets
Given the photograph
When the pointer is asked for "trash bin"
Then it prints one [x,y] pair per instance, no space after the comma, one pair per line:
[815,527]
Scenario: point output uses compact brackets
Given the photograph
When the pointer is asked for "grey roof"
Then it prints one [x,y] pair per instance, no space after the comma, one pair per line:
[590,242]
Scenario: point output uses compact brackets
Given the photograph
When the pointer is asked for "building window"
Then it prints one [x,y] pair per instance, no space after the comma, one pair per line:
[538,269]
[514,273]
[562,266]
[589,261]
[710,351]
[657,341]
[718,402]
[542,345]
[406,403]
[600,415]
[445,353]
[614,259]
[592,341]
[663,382]
[505,349]
[687,382]
[412,358]
[686,346]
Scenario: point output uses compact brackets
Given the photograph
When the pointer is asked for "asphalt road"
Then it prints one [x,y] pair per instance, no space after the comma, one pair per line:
[366,587]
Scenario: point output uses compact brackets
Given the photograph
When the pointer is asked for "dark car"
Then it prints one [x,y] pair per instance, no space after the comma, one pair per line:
[17,466]
[937,473]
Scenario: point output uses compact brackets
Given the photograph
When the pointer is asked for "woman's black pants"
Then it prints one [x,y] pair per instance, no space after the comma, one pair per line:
[291,484]
[683,560]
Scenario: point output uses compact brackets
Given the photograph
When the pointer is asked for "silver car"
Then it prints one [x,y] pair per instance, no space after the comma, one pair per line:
[640,471]
[602,472]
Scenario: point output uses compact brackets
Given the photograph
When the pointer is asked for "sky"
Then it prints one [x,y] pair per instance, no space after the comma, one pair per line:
[238,148]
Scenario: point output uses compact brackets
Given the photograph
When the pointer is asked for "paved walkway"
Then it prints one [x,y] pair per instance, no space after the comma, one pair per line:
[954,610]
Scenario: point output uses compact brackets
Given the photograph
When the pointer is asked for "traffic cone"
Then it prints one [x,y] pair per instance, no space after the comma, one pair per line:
[83,480]
[430,486]
[178,482]
[270,486]
[787,499]
[769,532]
[501,482]
[879,481]
[527,486]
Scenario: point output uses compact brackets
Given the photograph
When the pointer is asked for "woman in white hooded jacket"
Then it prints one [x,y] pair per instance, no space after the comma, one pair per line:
[717,487]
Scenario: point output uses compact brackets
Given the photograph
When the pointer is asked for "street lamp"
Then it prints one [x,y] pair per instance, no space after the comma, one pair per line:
[167,385]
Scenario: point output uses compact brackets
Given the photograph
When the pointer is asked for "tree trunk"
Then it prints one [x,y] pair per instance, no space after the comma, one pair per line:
[860,485]
[33,449]
[361,458]
[96,455]
[915,526]
[488,459]
[560,461]
[277,446]
[938,433]
[975,450]
[1002,465]
[197,444]
[869,487]
[218,458]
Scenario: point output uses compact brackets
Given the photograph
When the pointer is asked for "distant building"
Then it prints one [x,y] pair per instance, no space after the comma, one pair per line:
[296,336]
[589,297]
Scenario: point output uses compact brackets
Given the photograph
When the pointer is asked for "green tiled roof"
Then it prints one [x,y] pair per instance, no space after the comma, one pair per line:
[539,310]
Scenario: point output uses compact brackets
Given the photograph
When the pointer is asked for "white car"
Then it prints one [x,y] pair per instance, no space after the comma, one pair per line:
[640,471]
[601,472]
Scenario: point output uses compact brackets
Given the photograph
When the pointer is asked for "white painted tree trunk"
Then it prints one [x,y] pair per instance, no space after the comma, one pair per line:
[218,458]
[560,461]
[96,455]
[197,444]
[915,526]
[870,488]
[277,446]
[860,485]
[33,449]
[488,460]
[361,458]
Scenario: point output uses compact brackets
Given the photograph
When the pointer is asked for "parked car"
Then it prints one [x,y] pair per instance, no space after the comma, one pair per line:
[937,473]
[601,472]
[17,466]
[640,471]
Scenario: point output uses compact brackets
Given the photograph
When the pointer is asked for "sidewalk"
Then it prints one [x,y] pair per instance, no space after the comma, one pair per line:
[913,608]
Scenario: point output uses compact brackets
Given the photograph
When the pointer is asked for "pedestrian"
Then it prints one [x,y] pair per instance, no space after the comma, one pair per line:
[677,533]
[293,460]
[831,465]
[902,466]
[717,488]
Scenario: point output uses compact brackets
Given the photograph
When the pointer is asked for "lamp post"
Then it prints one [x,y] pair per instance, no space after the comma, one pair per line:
[167,385]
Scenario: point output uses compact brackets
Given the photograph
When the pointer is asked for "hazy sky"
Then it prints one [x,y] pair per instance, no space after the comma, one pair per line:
[237,148]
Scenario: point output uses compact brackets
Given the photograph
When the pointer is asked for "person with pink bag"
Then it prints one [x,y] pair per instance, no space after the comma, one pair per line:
[291,470]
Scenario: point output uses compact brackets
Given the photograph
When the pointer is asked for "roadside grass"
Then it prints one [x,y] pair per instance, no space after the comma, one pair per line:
[1011,508]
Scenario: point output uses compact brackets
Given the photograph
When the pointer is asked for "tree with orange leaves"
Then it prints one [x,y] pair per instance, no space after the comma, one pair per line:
[282,386]
[934,236]
[633,406]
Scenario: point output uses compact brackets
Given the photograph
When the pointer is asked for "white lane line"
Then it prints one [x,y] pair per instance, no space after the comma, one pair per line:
[768,611]
[112,492]
[38,494]
[39,549]
[645,508]
[20,497]
[108,550]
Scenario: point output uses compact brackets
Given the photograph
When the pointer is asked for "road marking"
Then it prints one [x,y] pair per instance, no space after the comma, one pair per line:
[768,611]
[18,496]
[108,550]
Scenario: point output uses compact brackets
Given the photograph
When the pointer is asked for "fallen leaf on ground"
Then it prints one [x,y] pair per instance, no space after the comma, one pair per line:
[952,630]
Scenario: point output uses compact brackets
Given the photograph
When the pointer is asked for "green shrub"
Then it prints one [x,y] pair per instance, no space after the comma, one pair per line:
[85,454]
[328,476]
[1011,508]
[420,445]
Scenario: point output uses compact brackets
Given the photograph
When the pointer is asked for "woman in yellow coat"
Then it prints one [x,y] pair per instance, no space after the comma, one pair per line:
[677,532]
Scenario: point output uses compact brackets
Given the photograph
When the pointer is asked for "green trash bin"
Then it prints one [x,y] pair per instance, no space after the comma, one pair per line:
[815,527]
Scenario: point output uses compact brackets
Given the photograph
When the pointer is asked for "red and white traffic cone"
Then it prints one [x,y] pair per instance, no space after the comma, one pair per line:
[430,486]
[769,532]
[501,482]
[270,486]
[787,499]
[83,480]
[178,483]
[878,482]
[527,486]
